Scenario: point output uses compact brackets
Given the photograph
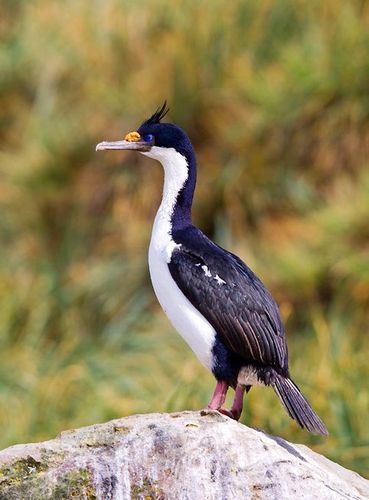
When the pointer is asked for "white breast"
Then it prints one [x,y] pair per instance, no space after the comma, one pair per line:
[186,319]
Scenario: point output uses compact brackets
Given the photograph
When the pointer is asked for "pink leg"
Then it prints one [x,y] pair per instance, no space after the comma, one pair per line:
[237,405]
[219,396]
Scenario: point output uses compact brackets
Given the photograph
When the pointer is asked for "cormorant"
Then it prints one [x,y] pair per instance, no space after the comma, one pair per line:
[212,298]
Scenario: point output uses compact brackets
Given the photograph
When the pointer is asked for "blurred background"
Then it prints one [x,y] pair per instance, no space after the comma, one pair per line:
[275,97]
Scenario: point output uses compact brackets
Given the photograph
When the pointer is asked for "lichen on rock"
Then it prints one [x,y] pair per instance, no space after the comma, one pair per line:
[185,456]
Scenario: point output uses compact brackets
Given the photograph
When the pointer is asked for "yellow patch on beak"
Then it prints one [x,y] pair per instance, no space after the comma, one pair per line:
[132,137]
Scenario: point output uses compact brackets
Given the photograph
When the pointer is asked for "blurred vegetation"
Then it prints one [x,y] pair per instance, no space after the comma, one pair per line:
[275,97]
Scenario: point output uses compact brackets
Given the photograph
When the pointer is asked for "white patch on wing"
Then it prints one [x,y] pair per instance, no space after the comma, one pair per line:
[169,249]
[219,280]
[206,271]
[186,319]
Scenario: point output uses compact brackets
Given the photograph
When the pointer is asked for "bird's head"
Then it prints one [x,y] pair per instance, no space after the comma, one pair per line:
[154,139]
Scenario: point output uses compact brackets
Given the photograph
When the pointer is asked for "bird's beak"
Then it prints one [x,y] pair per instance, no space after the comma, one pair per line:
[132,141]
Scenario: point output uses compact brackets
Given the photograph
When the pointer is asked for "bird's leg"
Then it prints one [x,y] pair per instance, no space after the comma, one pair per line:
[219,396]
[237,405]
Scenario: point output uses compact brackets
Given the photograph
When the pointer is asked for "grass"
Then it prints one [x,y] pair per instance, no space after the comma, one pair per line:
[274,96]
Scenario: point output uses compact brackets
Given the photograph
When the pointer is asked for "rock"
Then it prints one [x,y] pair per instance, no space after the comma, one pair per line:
[172,456]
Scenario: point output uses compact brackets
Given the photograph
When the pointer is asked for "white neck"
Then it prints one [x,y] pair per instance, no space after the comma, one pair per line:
[175,175]
[187,320]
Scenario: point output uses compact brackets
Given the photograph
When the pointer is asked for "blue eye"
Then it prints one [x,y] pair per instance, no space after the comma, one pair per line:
[148,138]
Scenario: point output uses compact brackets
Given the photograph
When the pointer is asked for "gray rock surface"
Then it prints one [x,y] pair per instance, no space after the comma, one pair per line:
[172,456]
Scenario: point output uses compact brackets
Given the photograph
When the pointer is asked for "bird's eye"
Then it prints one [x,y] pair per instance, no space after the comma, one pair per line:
[148,138]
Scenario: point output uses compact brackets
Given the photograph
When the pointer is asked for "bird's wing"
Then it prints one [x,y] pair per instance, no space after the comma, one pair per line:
[232,299]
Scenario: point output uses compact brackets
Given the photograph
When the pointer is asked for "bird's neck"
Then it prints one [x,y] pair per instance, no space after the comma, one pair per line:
[179,185]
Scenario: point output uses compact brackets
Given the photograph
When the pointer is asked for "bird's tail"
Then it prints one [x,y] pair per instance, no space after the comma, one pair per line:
[296,405]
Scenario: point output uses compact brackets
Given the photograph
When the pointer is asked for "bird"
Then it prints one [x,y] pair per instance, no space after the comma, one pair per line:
[212,298]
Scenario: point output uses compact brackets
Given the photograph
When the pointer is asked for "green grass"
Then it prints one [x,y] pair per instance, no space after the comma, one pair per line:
[274,96]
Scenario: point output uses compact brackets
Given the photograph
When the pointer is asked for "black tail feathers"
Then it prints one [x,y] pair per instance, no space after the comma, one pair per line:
[296,405]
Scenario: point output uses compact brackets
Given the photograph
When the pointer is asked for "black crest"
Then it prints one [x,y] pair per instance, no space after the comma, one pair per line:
[158,115]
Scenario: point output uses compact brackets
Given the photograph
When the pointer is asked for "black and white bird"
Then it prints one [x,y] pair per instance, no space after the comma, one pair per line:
[212,298]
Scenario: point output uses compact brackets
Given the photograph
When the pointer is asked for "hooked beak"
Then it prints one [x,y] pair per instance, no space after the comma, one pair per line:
[132,141]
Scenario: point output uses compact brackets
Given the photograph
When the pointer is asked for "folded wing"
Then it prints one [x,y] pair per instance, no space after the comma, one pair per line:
[232,299]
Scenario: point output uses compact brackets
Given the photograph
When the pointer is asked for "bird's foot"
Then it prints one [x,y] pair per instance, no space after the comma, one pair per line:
[223,411]
[228,413]
[233,413]
[209,411]
[219,411]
